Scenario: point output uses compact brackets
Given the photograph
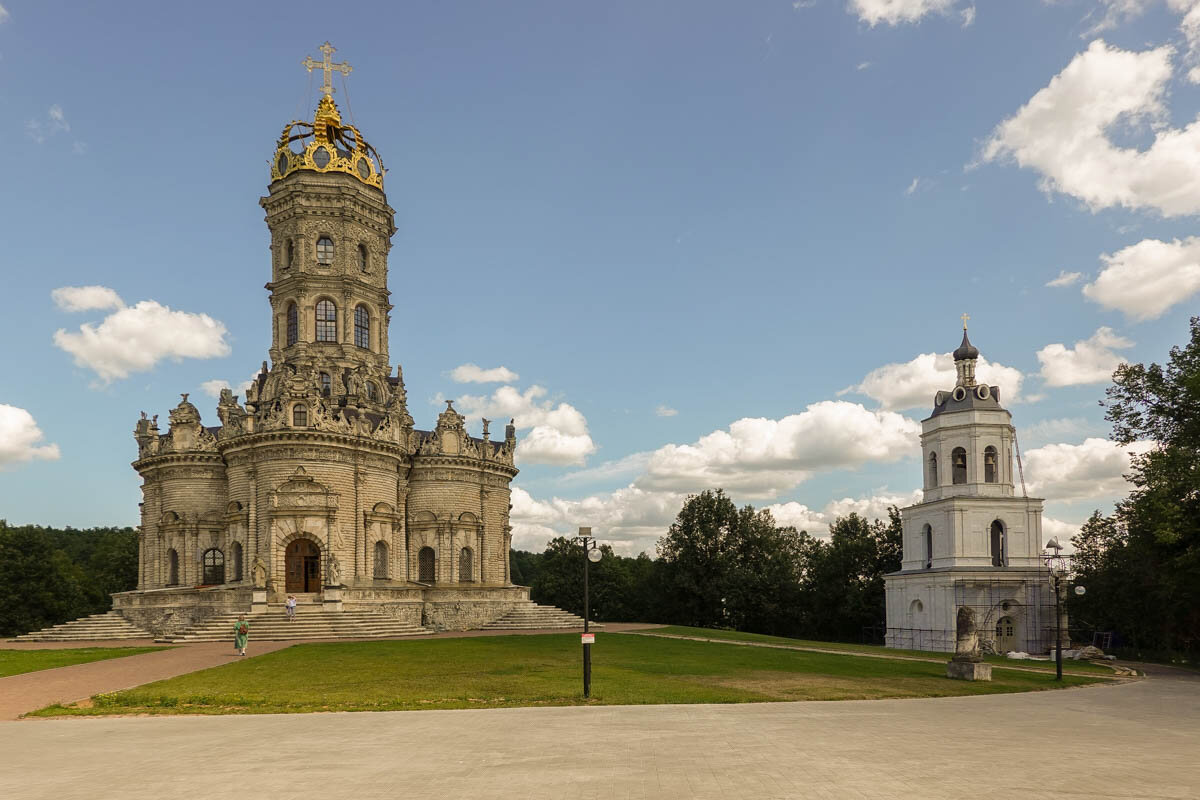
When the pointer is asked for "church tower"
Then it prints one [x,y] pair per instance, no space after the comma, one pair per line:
[971,541]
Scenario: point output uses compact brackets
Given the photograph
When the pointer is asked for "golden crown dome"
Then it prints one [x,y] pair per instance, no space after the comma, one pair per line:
[326,144]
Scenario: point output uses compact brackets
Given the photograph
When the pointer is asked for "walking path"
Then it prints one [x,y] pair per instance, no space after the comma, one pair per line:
[1125,740]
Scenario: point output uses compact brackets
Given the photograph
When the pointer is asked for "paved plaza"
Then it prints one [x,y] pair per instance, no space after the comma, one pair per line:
[1111,741]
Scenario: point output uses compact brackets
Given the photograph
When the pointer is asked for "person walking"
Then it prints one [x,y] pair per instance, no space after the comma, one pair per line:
[291,608]
[241,634]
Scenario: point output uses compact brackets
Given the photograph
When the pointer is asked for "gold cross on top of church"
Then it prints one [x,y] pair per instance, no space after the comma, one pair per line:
[328,66]
[965,317]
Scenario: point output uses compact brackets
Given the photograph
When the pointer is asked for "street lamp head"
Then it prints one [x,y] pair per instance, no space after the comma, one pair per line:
[594,556]
[1054,545]
[585,532]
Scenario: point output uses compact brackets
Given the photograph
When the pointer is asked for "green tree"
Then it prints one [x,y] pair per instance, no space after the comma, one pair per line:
[41,585]
[844,579]
[1158,546]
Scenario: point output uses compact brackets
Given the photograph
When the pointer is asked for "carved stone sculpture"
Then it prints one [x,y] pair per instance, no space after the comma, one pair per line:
[259,571]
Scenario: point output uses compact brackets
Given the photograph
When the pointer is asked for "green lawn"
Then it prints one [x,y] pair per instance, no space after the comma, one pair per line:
[999,661]
[15,662]
[501,671]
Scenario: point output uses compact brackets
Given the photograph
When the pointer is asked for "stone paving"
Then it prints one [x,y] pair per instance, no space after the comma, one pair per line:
[1130,740]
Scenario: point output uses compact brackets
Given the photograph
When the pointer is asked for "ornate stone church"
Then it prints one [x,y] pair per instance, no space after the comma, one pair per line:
[971,541]
[318,484]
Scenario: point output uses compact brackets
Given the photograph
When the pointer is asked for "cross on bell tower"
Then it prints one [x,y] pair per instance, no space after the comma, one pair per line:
[327,66]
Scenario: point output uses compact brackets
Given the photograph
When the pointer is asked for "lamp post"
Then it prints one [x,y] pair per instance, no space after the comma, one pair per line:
[1055,566]
[591,554]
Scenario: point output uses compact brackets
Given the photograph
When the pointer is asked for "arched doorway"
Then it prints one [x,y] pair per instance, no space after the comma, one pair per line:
[426,566]
[214,567]
[1006,635]
[302,565]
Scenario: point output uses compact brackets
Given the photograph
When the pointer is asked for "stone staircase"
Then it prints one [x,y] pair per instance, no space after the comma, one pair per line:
[273,626]
[97,627]
[531,616]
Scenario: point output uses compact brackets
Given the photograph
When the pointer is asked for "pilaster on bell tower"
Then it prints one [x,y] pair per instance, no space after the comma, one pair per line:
[331,229]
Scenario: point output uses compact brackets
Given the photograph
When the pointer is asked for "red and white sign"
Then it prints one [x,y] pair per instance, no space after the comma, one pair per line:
[588,638]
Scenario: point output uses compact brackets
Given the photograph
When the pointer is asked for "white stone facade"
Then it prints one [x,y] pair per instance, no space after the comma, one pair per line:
[971,541]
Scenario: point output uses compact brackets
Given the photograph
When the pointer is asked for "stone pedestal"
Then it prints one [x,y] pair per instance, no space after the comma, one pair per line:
[969,671]
[258,601]
[331,598]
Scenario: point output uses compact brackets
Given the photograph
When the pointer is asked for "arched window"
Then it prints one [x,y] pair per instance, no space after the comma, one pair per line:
[989,464]
[326,384]
[372,392]
[291,254]
[293,324]
[300,416]
[999,557]
[362,327]
[958,460]
[927,536]
[915,607]
[466,566]
[362,257]
[426,565]
[326,321]
[381,560]
[933,476]
[214,566]
[325,251]
[172,567]
[235,556]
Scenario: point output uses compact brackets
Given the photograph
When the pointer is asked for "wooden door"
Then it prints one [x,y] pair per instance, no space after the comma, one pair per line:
[302,567]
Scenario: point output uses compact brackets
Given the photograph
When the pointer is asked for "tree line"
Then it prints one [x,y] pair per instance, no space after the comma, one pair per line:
[52,575]
[721,566]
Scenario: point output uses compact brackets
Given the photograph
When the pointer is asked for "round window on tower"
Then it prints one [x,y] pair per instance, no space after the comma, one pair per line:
[364,168]
[321,157]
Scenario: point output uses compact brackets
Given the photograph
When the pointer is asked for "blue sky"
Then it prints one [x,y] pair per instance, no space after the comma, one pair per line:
[685,227]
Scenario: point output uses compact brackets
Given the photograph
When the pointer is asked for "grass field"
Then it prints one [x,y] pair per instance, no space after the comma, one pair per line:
[15,662]
[503,671]
[738,636]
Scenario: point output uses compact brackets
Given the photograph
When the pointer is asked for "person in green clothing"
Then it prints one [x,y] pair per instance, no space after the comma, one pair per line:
[241,634]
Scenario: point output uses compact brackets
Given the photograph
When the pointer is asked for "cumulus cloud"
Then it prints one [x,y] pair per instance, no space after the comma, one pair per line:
[912,187]
[1090,361]
[761,457]
[4,15]
[213,387]
[817,523]
[968,16]
[558,433]
[20,436]
[135,338]
[897,387]
[665,411]
[1094,469]
[896,12]
[86,298]
[471,373]
[1145,279]
[1063,133]
[1065,279]
[1110,13]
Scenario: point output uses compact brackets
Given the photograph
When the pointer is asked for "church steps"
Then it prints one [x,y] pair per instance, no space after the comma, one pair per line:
[96,627]
[309,624]
[532,616]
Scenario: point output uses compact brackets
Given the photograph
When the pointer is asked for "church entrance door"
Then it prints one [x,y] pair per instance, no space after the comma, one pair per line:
[1006,635]
[302,563]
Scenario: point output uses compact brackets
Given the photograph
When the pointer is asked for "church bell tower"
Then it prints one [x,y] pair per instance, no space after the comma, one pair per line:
[331,229]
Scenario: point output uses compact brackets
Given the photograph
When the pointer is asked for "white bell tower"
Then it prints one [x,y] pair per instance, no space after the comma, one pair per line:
[971,540]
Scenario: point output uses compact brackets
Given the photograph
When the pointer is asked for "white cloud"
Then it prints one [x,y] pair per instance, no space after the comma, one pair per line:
[863,65]
[470,373]
[1092,470]
[4,15]
[895,12]
[213,387]
[1065,279]
[913,384]
[86,298]
[817,522]
[1115,12]
[20,435]
[968,16]
[665,411]
[1063,531]
[1090,361]
[1063,133]
[761,457]
[912,187]
[42,129]
[629,519]
[558,435]
[1147,278]
[135,338]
